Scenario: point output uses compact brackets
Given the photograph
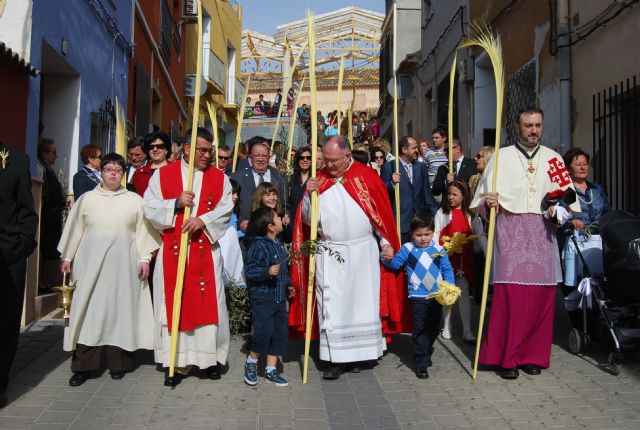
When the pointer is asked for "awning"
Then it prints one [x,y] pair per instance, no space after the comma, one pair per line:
[19,62]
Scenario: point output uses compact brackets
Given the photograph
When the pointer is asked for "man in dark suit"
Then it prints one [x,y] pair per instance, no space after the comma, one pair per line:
[415,192]
[463,169]
[257,172]
[136,156]
[18,224]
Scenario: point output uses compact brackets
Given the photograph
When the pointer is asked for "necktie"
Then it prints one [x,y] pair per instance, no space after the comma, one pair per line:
[261,178]
[456,167]
[408,168]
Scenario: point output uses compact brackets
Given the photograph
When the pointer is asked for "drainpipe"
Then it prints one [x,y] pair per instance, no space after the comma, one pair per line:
[564,72]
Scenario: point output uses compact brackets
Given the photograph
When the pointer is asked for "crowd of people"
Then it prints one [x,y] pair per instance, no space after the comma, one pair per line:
[365,127]
[121,246]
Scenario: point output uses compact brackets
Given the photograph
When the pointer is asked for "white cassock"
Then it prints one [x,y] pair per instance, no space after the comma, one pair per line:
[233,271]
[347,293]
[207,345]
[106,236]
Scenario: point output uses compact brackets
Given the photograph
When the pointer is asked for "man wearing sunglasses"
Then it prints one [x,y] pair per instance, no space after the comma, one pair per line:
[204,322]
[224,159]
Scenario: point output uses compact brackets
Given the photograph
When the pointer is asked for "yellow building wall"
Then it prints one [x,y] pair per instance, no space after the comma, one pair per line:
[226,30]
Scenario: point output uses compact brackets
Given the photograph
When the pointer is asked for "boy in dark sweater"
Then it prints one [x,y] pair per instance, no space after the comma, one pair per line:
[269,285]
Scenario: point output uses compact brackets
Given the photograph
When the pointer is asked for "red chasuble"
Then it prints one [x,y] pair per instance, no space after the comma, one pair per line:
[365,187]
[199,300]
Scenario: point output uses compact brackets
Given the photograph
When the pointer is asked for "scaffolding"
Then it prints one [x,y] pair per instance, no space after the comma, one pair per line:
[353,33]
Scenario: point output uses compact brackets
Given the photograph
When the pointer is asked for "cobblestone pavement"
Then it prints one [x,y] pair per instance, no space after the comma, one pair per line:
[574,392]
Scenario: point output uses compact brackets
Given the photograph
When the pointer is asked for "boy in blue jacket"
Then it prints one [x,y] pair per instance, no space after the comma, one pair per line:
[269,285]
[427,265]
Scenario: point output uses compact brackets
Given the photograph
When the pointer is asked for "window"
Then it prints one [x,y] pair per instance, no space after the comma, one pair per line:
[103,126]
[521,92]
[166,27]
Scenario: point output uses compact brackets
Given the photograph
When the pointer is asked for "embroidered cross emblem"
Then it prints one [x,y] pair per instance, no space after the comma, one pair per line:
[558,173]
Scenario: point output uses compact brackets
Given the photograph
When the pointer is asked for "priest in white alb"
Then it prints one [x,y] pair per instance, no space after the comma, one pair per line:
[358,300]
[203,337]
[526,260]
[109,242]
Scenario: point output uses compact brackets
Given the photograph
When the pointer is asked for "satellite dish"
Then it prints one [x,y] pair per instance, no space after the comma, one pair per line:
[405,86]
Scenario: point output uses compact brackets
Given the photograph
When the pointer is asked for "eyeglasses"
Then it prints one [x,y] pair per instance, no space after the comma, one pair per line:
[305,157]
[157,146]
[379,157]
[223,158]
[204,151]
[113,171]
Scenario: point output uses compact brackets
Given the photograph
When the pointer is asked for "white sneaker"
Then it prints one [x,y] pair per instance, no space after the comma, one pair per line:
[446,333]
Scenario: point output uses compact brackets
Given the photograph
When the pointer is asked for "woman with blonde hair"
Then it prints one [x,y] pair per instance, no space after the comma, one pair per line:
[482,158]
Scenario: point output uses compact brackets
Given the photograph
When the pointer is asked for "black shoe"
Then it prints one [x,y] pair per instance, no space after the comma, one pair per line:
[78,378]
[531,369]
[3,400]
[422,373]
[213,372]
[172,381]
[332,372]
[353,368]
[116,376]
[511,373]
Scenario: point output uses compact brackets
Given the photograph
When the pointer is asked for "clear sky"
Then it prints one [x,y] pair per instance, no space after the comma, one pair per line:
[265,15]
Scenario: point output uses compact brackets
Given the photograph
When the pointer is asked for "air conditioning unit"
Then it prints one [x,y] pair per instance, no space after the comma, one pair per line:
[190,9]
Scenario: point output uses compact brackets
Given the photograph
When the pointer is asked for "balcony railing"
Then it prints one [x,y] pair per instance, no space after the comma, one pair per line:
[239,92]
[215,71]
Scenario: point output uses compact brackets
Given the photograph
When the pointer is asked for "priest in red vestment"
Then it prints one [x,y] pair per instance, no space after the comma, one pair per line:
[358,302]
[204,324]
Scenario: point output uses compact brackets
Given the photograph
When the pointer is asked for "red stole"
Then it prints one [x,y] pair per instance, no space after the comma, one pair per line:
[199,299]
[367,189]
[466,260]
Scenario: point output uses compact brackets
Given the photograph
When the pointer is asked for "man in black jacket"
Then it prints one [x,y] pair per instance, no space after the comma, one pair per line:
[463,169]
[18,224]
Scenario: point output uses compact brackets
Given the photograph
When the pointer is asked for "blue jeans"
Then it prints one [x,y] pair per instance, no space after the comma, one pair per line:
[269,331]
[425,315]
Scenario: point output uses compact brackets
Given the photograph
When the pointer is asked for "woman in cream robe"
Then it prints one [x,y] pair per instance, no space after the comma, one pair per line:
[110,242]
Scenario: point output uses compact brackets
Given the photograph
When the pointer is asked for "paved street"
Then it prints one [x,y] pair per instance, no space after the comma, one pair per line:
[574,392]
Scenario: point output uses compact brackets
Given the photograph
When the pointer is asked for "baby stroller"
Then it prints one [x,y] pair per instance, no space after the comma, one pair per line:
[617,294]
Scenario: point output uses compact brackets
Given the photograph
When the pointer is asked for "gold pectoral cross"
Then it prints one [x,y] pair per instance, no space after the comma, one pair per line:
[532,189]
